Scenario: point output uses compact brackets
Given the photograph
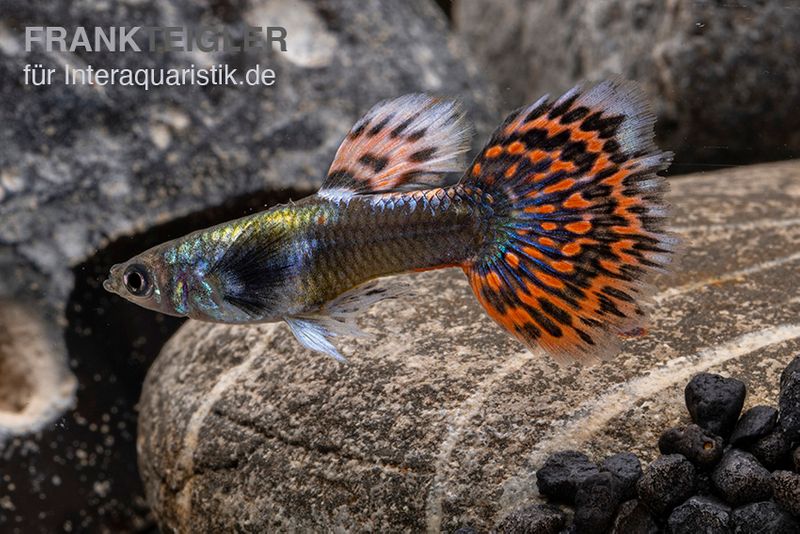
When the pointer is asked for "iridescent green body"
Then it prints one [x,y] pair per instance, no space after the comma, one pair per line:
[293,259]
[331,246]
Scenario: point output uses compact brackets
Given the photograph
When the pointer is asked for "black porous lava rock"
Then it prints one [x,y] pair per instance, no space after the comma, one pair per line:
[627,469]
[536,519]
[596,502]
[714,402]
[700,514]
[789,400]
[740,479]
[667,482]
[755,423]
[561,473]
[772,450]
[704,484]
[787,490]
[764,517]
[634,518]
[701,447]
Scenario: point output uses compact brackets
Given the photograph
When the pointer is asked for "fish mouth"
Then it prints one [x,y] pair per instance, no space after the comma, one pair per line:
[110,283]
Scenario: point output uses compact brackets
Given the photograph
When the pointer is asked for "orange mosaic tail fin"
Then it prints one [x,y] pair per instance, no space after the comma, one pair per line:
[578,220]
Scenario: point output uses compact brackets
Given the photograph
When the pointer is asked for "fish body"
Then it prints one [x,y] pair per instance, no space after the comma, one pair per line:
[558,224]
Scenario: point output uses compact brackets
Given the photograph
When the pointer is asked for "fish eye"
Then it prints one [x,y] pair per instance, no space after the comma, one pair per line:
[137,280]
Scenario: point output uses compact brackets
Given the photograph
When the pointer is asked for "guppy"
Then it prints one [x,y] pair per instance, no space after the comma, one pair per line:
[558,223]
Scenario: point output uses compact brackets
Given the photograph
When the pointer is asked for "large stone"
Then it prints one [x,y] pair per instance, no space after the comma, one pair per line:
[724,78]
[91,175]
[442,420]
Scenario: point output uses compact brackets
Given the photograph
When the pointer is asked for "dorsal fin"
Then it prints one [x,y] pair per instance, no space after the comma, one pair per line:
[406,143]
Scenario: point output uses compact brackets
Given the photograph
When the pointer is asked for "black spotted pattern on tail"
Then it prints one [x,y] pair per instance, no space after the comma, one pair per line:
[578,220]
[406,143]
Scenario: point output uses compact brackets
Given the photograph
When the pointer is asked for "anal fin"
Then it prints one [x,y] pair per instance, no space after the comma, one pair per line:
[337,318]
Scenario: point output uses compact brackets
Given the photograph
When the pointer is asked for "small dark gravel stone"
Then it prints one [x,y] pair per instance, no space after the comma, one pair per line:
[667,482]
[796,459]
[763,518]
[536,519]
[561,473]
[627,469]
[755,423]
[704,484]
[789,401]
[596,502]
[772,450]
[714,402]
[787,490]
[466,530]
[701,447]
[634,518]
[700,514]
[740,479]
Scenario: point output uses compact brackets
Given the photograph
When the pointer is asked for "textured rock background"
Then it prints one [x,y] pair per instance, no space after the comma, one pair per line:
[442,421]
[725,76]
[84,168]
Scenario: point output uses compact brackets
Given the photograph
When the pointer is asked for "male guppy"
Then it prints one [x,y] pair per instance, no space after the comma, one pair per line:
[559,225]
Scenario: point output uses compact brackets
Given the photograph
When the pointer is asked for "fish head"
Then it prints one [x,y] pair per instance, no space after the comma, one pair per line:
[145,280]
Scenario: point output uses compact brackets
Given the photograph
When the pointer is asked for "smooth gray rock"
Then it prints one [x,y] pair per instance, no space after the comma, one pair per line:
[724,78]
[442,420]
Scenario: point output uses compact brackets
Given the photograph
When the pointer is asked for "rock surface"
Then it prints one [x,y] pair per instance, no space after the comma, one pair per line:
[667,482]
[627,469]
[700,447]
[763,518]
[772,450]
[536,519]
[755,423]
[714,402]
[787,491]
[696,59]
[740,479]
[789,402]
[596,502]
[700,514]
[562,473]
[633,516]
[88,167]
[442,421]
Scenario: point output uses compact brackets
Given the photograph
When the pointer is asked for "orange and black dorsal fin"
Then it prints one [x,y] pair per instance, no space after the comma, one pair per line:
[577,220]
[410,142]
